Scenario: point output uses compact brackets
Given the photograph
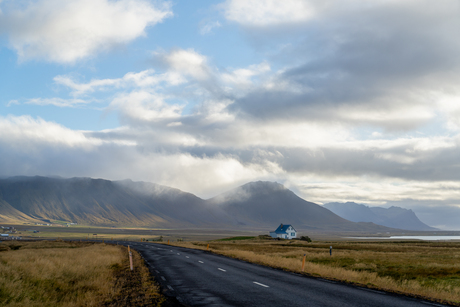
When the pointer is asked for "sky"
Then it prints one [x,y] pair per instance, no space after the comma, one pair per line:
[341,100]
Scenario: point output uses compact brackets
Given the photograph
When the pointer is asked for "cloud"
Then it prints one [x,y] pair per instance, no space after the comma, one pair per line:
[143,79]
[243,77]
[31,146]
[146,106]
[449,108]
[208,27]
[58,102]
[187,62]
[25,133]
[385,64]
[260,13]
[67,31]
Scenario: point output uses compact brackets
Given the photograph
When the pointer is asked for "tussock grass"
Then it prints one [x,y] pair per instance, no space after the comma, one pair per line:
[72,274]
[134,288]
[426,269]
[236,238]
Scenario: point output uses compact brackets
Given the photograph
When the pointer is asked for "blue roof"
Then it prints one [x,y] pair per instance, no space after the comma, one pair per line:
[282,228]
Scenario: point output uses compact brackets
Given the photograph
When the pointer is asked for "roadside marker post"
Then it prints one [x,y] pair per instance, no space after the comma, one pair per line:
[303,262]
[131,261]
[330,251]
[168,242]
[130,258]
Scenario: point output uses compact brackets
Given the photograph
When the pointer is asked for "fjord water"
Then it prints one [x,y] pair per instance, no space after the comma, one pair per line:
[424,238]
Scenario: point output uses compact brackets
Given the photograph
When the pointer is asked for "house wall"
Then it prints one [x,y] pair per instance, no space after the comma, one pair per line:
[291,233]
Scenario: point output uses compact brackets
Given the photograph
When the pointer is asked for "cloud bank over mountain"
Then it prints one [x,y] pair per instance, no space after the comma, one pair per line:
[339,100]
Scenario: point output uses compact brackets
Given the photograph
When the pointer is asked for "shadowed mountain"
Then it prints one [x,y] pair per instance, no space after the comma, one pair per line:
[268,203]
[103,202]
[9,214]
[256,205]
[394,217]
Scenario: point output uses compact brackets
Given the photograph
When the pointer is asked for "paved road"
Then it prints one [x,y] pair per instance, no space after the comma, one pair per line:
[198,278]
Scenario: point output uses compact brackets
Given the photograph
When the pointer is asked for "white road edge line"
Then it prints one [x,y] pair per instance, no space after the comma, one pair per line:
[200,261]
[371,290]
[222,270]
[432,304]
[258,283]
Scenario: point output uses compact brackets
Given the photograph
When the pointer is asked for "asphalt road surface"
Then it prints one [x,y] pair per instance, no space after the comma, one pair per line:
[199,278]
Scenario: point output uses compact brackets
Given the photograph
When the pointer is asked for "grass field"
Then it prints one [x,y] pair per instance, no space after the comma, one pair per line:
[428,269]
[425,269]
[236,238]
[127,234]
[45,273]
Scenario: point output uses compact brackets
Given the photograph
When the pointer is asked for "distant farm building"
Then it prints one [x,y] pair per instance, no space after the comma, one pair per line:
[284,232]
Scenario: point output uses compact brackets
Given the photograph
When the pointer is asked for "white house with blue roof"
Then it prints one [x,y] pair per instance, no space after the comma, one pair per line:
[284,232]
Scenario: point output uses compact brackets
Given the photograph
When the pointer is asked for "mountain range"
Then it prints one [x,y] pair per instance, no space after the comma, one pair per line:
[394,217]
[255,205]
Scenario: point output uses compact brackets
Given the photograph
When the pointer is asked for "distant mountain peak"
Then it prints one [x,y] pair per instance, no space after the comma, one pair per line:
[394,217]
[262,185]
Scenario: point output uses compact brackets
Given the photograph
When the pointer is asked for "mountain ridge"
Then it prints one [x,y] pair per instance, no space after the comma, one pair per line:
[394,217]
[102,202]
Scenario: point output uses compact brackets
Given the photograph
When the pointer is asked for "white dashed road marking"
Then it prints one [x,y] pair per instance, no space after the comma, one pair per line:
[170,288]
[200,261]
[222,270]
[187,257]
[258,283]
[162,277]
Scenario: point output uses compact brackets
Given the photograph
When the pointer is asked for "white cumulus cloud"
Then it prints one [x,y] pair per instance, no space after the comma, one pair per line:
[188,62]
[145,106]
[67,31]
[262,13]
[26,133]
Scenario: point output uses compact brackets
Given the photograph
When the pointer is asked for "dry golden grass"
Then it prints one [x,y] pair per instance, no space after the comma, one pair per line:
[430,270]
[72,274]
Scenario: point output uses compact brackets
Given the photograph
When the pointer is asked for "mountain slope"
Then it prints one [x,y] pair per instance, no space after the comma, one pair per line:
[103,202]
[267,203]
[256,205]
[394,217]
[9,214]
